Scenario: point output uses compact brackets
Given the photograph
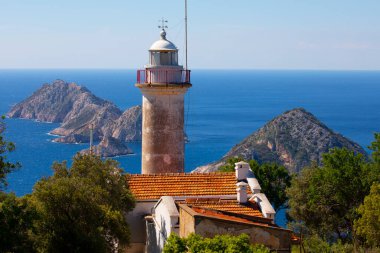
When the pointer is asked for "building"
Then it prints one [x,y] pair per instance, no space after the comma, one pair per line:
[163,84]
[171,201]
[204,203]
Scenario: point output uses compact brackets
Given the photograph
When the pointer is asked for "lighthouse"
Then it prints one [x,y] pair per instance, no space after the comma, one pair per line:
[163,84]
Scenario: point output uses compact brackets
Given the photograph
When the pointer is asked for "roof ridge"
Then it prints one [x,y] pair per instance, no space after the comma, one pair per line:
[183,173]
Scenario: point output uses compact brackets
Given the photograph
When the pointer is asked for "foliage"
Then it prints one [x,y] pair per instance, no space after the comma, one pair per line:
[273,179]
[175,244]
[368,225]
[229,166]
[82,209]
[16,218]
[375,147]
[315,244]
[325,198]
[374,166]
[5,147]
[220,243]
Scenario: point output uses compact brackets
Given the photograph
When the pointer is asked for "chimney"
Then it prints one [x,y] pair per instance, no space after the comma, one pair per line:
[241,190]
[241,169]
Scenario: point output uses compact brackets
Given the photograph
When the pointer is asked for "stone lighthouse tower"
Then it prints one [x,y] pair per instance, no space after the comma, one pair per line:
[163,85]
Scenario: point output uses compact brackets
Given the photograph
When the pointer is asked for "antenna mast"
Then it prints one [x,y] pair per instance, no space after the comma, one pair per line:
[186,66]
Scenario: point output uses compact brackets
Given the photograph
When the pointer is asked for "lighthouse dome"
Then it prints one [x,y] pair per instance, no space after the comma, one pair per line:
[163,44]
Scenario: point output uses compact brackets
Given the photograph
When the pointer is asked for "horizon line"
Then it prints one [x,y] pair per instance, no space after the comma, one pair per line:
[214,69]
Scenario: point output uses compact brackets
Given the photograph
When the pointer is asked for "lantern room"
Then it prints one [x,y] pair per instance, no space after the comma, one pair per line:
[163,52]
[163,67]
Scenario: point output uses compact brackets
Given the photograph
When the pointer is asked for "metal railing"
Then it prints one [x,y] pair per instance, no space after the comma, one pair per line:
[163,76]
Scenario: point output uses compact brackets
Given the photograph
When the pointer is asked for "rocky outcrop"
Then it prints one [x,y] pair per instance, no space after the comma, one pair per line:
[293,139]
[110,147]
[58,102]
[77,109]
[127,127]
[85,115]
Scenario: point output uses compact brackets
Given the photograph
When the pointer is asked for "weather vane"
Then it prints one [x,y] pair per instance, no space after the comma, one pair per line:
[163,24]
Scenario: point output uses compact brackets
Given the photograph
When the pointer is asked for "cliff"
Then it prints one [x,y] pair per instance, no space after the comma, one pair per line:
[59,102]
[76,108]
[110,147]
[128,127]
[293,139]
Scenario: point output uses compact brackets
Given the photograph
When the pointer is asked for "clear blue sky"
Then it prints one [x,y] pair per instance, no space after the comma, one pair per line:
[249,34]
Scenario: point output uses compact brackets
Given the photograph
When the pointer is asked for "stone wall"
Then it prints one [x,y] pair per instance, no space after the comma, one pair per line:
[277,239]
[186,223]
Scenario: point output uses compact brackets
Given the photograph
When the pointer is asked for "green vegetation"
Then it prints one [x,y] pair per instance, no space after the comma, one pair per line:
[16,223]
[220,243]
[82,208]
[375,147]
[334,206]
[368,225]
[5,147]
[325,198]
[326,201]
[273,179]
[78,209]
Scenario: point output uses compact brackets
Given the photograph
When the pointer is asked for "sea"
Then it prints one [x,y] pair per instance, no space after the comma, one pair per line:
[221,109]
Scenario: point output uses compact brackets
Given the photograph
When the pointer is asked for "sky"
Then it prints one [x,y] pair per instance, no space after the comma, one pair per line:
[223,34]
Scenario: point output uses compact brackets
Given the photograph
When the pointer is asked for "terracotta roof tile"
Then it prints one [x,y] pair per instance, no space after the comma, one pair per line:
[149,186]
[224,216]
[231,206]
[199,209]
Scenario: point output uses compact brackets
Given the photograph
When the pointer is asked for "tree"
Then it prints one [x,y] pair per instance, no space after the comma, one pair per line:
[273,179]
[375,147]
[325,198]
[82,209]
[220,243]
[5,147]
[16,223]
[368,225]
[374,165]
[15,215]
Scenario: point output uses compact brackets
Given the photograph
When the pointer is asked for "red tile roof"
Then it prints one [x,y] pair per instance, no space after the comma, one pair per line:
[147,186]
[225,209]
[225,205]
[228,217]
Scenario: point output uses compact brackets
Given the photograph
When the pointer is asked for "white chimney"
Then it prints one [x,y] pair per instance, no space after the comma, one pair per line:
[241,169]
[242,192]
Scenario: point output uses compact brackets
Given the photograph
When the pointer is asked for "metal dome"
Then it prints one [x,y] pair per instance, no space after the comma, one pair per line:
[163,44]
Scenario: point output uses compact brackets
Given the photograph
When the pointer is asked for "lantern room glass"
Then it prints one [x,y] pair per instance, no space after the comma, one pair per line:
[160,58]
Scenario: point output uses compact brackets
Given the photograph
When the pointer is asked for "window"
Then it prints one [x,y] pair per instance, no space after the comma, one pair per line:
[164,58]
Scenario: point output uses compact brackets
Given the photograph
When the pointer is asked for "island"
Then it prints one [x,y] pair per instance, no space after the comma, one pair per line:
[294,139]
[78,110]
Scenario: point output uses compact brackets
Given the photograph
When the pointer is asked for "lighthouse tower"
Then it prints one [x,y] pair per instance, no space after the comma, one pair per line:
[163,84]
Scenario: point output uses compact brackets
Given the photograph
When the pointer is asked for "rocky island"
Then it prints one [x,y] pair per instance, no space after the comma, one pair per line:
[293,139]
[77,109]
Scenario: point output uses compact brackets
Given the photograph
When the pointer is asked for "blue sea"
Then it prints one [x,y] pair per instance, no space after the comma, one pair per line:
[221,109]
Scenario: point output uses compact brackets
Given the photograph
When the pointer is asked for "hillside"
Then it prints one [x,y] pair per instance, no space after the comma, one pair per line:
[76,108]
[293,139]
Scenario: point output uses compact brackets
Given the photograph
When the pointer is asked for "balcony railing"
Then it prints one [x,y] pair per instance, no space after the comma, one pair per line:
[163,76]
